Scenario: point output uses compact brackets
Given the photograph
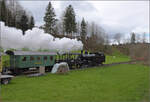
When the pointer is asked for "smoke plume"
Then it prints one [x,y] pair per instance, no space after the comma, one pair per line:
[35,39]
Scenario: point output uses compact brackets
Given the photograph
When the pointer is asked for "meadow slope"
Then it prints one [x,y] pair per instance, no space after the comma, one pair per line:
[120,83]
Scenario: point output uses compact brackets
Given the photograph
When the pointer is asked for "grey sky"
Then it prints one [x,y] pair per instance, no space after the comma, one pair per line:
[113,16]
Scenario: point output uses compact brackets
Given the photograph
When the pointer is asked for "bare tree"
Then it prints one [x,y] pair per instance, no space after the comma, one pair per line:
[138,38]
[117,37]
[106,39]
[78,28]
[126,40]
[144,37]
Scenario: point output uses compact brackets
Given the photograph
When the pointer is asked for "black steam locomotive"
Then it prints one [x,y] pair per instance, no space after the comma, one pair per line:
[85,58]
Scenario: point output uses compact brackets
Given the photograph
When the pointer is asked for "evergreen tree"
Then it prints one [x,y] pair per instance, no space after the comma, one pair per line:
[133,38]
[50,20]
[31,23]
[69,20]
[83,29]
[83,32]
[24,23]
[3,11]
[13,15]
[8,18]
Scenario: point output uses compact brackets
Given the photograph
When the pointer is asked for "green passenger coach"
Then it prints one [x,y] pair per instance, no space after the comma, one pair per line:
[30,59]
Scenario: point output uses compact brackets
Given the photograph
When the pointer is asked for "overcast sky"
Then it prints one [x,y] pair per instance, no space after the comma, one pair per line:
[113,16]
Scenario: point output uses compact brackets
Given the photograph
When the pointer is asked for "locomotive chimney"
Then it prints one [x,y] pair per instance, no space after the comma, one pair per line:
[81,52]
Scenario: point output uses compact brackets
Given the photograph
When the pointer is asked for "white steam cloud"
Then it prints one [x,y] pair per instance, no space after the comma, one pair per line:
[35,39]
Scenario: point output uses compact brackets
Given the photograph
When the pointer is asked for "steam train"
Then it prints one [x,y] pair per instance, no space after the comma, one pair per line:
[20,61]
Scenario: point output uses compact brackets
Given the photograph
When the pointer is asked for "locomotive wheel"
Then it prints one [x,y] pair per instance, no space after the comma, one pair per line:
[84,66]
[16,72]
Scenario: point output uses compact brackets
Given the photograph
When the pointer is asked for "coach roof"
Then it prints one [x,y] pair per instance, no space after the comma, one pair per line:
[29,53]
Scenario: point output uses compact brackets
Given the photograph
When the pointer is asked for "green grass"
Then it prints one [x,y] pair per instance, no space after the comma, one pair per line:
[114,59]
[121,83]
[116,56]
[5,61]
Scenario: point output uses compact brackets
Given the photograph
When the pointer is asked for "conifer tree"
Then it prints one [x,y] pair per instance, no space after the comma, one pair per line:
[8,18]
[24,23]
[50,20]
[83,33]
[69,20]
[83,29]
[13,15]
[133,38]
[3,11]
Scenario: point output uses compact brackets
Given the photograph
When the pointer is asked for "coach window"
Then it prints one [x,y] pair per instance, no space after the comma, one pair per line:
[45,57]
[24,59]
[38,58]
[31,58]
[51,57]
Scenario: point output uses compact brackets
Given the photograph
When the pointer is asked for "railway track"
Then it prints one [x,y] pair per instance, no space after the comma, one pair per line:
[117,63]
[111,64]
[85,67]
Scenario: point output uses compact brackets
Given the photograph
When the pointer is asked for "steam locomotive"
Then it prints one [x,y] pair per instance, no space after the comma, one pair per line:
[20,61]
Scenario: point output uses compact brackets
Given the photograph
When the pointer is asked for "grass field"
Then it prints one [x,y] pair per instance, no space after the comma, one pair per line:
[116,57]
[121,83]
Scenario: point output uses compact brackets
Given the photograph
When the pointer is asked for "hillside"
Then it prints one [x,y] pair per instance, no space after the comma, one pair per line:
[121,83]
